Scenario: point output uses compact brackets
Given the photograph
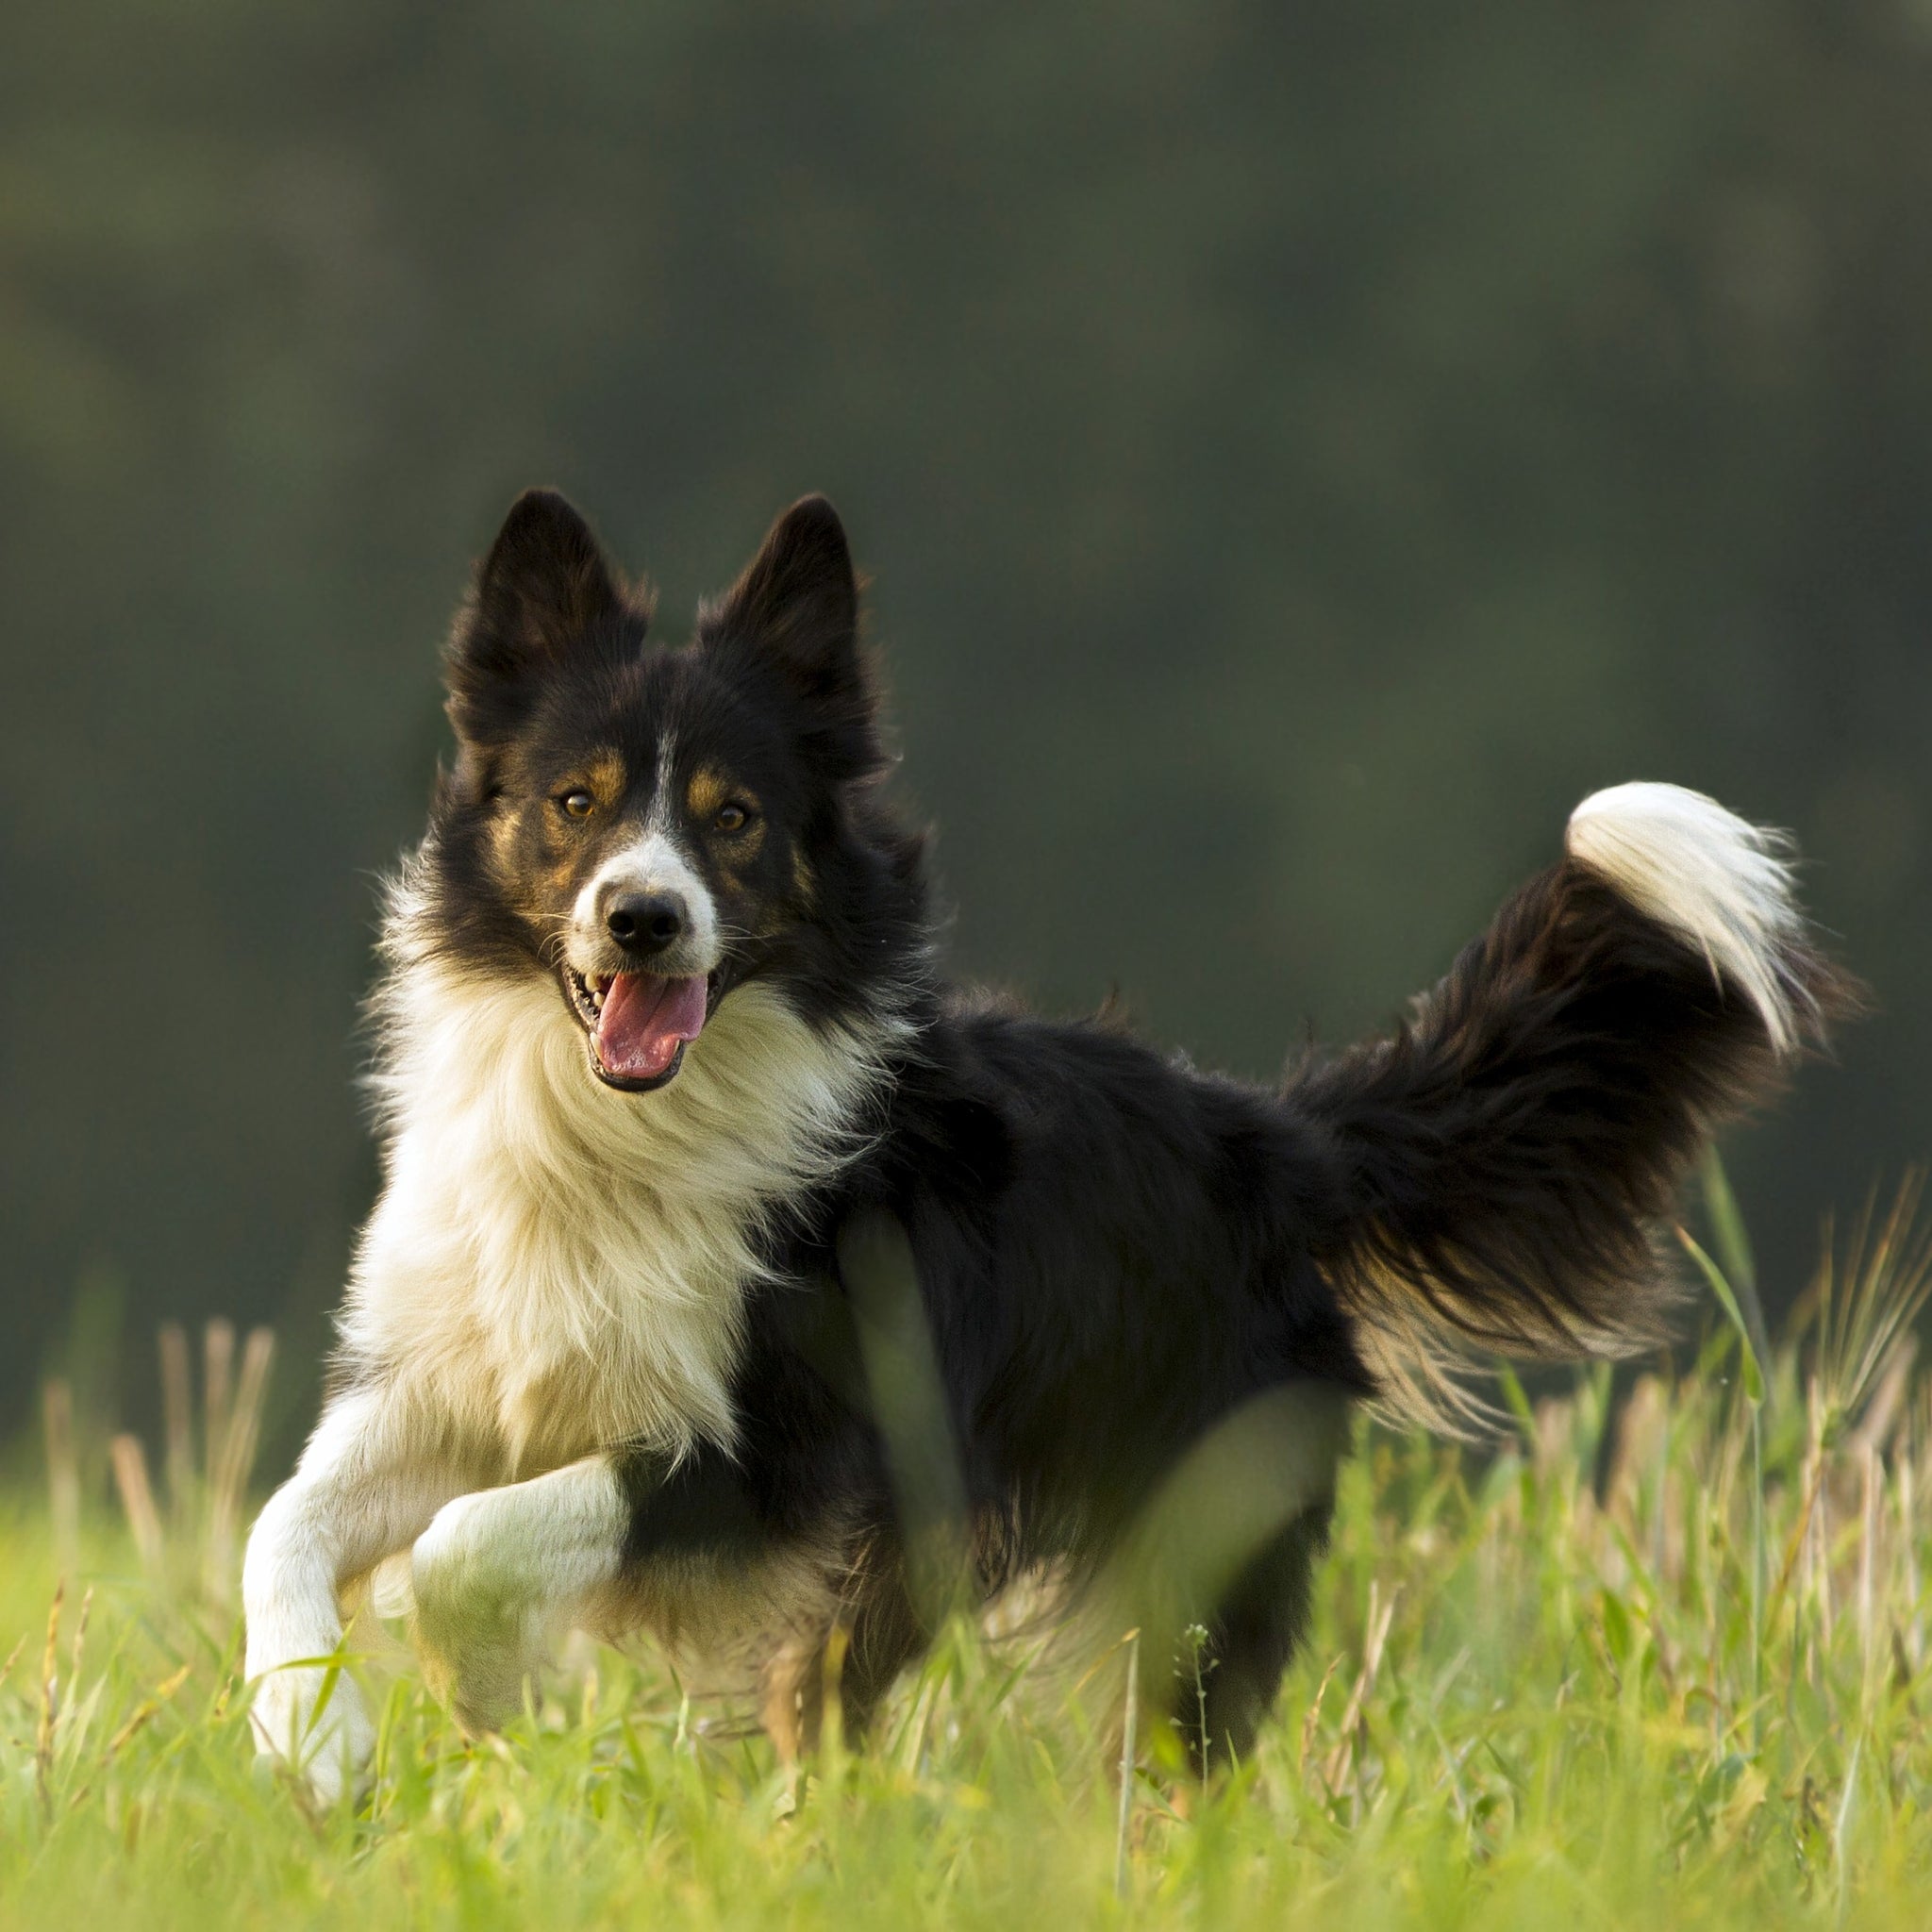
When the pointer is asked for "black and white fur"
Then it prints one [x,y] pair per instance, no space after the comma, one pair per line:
[585,1376]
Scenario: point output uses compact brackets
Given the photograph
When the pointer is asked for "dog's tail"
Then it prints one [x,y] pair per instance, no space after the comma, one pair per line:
[1507,1161]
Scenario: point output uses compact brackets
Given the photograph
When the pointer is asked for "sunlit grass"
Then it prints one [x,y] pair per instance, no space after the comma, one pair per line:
[1587,1680]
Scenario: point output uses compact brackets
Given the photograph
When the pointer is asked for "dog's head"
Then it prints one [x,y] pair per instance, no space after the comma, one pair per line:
[653,828]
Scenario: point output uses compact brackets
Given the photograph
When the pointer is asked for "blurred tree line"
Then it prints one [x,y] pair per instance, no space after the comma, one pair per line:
[1299,452]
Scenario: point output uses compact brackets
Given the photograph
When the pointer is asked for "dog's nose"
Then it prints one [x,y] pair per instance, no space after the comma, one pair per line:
[646,922]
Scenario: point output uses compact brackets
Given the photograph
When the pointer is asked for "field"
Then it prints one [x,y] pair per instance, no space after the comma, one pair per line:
[1602,1674]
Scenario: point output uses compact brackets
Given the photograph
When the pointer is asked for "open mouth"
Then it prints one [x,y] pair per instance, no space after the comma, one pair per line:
[639,1023]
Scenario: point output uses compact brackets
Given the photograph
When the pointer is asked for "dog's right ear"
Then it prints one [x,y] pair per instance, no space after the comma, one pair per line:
[542,590]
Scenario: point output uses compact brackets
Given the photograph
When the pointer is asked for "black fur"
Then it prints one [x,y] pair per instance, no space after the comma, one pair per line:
[1114,1251]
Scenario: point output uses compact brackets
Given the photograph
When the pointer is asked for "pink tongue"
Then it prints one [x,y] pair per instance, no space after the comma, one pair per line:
[644,1020]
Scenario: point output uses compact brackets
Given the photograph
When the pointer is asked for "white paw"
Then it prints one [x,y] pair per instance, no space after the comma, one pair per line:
[327,1747]
[478,1618]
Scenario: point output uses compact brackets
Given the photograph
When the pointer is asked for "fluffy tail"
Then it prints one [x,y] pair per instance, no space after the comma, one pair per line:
[1509,1157]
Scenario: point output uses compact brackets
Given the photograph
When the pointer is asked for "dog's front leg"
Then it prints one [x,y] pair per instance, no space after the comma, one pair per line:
[499,1573]
[370,1480]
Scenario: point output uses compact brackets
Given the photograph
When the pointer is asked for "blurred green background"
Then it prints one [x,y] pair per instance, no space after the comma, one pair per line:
[1299,452]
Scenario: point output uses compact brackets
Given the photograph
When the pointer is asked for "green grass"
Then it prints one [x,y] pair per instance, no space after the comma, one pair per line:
[1600,1680]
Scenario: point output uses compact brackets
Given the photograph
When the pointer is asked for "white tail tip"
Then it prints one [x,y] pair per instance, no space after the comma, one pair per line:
[1720,882]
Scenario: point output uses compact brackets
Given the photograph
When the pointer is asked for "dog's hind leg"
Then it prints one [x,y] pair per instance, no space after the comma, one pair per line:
[1226,1682]
[853,1658]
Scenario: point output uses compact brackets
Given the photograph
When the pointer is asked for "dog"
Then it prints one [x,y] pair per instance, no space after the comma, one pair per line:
[664,1055]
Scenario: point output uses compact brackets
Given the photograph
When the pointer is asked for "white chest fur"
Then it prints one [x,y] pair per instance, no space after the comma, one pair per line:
[557,1267]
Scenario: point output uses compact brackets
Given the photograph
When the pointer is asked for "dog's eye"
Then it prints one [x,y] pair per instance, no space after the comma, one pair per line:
[576,805]
[731,818]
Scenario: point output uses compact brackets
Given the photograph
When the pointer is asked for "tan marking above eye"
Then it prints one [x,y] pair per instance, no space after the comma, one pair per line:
[600,784]
[713,800]
[710,789]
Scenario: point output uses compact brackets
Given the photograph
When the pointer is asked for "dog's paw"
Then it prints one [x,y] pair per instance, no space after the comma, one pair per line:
[329,1747]
[475,1613]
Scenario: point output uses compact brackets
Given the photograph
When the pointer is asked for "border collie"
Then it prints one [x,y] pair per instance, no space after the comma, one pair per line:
[660,1027]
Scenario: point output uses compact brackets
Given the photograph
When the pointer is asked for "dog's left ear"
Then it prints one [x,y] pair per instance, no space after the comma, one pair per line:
[796,610]
[543,590]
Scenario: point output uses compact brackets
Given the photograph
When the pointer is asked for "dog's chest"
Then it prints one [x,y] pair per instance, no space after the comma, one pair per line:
[555,1316]
[614,1327]
[562,1269]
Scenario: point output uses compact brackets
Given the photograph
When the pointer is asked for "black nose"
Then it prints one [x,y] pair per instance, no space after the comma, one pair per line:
[644,922]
